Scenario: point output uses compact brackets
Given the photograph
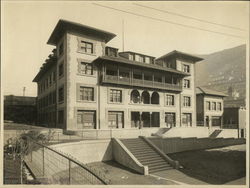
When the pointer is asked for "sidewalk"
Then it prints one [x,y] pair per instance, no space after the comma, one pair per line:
[179,177]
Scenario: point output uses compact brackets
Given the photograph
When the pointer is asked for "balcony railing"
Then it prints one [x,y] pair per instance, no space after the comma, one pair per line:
[140,83]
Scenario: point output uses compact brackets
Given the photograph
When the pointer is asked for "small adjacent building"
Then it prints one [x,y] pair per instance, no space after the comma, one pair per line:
[235,118]
[209,106]
[20,109]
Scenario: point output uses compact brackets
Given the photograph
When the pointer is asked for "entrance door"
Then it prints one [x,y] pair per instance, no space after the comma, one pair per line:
[207,121]
[86,119]
[115,120]
[170,119]
[135,119]
[216,121]
[145,119]
[155,119]
[242,133]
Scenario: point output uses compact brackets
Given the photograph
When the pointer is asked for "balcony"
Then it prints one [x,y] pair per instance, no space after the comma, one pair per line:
[139,83]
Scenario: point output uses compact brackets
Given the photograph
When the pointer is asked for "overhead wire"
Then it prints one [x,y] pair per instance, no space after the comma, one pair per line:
[170,22]
[189,17]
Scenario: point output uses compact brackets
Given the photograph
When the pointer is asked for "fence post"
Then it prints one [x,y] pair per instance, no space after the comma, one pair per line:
[43,162]
[162,144]
[31,156]
[69,172]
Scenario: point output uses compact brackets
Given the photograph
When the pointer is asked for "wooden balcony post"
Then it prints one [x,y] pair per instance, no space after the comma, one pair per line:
[118,74]
[142,78]
[153,79]
[103,71]
[131,76]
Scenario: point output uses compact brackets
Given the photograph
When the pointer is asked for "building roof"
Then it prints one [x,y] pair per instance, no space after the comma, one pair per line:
[139,64]
[63,25]
[206,91]
[19,100]
[136,53]
[176,53]
[45,67]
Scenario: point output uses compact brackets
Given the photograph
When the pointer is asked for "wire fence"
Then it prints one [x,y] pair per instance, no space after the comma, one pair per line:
[54,167]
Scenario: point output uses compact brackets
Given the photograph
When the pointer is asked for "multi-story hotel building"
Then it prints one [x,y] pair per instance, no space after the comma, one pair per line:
[88,85]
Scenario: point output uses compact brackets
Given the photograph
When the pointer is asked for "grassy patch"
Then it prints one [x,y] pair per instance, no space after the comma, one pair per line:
[213,166]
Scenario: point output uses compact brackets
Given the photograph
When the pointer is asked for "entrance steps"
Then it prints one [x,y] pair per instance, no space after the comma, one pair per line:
[215,133]
[161,131]
[146,154]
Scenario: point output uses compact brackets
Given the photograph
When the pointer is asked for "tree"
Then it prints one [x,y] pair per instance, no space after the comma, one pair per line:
[20,146]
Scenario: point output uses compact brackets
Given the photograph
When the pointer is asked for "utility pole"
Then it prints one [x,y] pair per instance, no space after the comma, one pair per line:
[24,91]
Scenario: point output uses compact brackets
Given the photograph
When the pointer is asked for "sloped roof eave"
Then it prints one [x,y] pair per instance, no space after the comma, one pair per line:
[126,61]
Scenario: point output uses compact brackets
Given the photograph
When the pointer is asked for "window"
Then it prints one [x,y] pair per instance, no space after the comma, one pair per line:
[61,46]
[135,96]
[186,68]
[60,117]
[157,78]
[86,119]
[170,119]
[46,83]
[186,101]
[50,79]
[170,100]
[54,76]
[186,83]
[208,105]
[54,97]
[155,98]
[111,51]
[86,47]
[213,105]
[85,68]
[186,119]
[137,75]
[111,70]
[60,94]
[147,60]
[115,96]
[131,57]
[115,119]
[61,69]
[139,58]
[219,106]
[86,93]
[145,97]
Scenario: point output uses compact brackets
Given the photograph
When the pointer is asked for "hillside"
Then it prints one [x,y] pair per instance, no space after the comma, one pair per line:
[225,71]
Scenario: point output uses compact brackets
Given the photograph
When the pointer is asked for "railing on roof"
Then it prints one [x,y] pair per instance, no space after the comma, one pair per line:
[140,83]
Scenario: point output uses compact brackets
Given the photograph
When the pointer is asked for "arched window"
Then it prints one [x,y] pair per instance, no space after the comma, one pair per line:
[135,96]
[155,98]
[145,97]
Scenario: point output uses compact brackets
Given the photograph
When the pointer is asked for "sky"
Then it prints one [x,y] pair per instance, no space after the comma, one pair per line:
[163,27]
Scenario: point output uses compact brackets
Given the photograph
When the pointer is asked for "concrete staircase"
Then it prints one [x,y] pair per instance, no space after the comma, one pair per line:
[160,132]
[146,155]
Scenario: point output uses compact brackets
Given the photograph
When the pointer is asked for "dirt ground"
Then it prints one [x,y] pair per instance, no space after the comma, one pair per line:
[214,166]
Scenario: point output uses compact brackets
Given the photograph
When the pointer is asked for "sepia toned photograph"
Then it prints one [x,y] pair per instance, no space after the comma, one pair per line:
[136,93]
